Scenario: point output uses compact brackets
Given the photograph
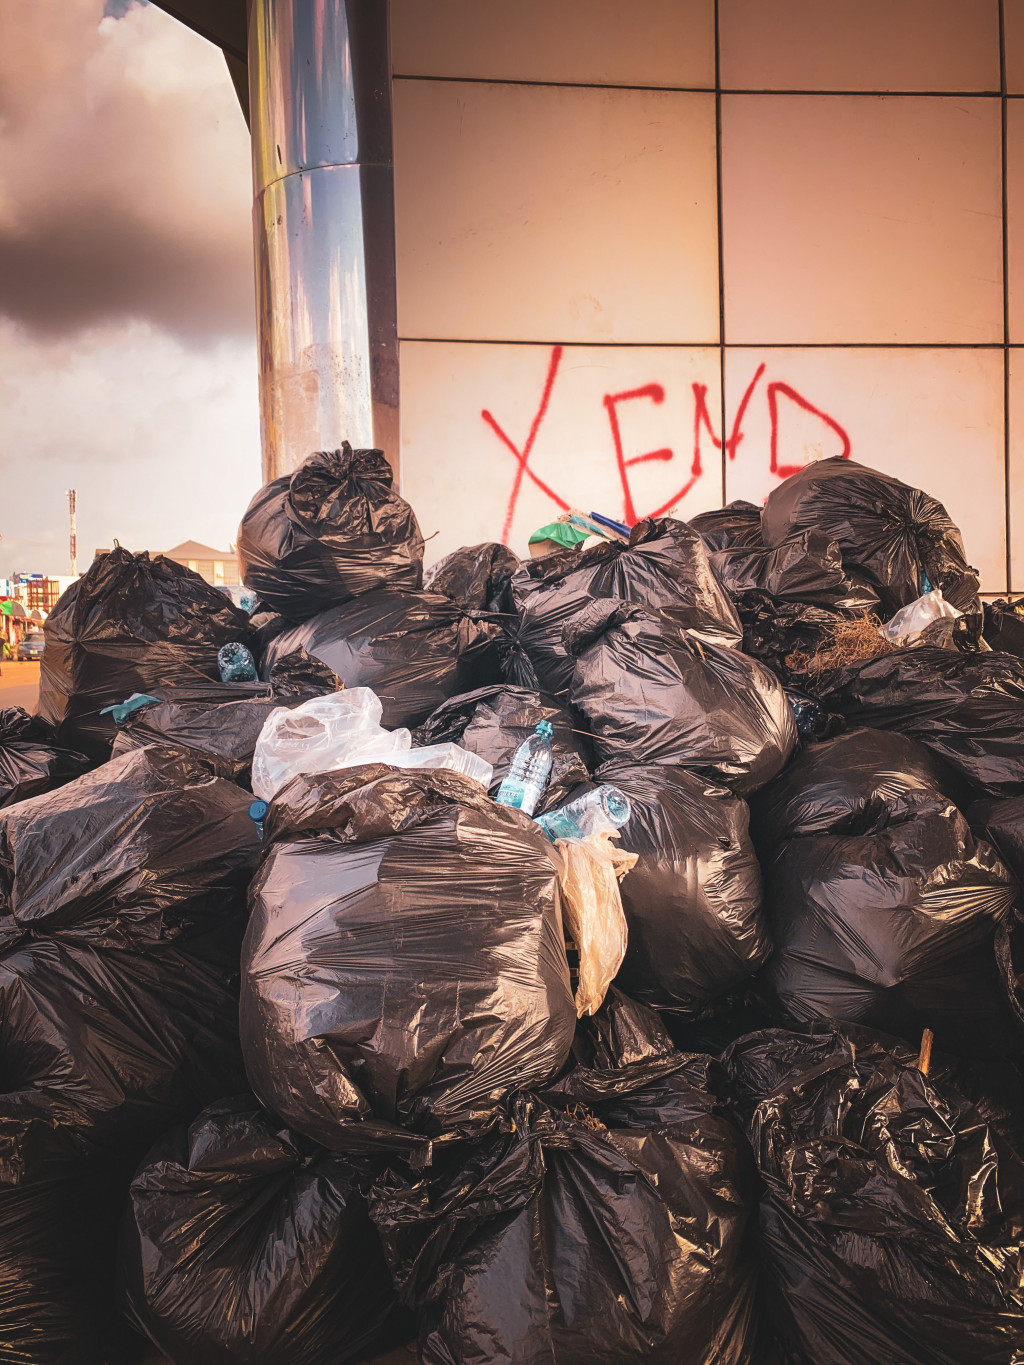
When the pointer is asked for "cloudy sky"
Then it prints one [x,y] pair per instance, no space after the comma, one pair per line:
[126,297]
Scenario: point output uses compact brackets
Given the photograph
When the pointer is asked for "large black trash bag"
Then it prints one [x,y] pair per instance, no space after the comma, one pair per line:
[807,568]
[222,732]
[129,624]
[887,910]
[477,576]
[221,722]
[652,693]
[891,536]
[30,762]
[605,1225]
[405,959]
[1003,626]
[693,901]
[853,783]
[245,1242]
[664,565]
[967,708]
[333,530]
[122,899]
[1001,823]
[136,853]
[58,1236]
[415,649]
[733,526]
[891,1227]
[493,721]
[122,903]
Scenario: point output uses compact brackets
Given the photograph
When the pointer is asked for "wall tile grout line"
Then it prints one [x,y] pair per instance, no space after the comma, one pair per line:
[721,249]
[715,345]
[704,89]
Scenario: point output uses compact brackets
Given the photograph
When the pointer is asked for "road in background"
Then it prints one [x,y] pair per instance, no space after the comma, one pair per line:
[19,685]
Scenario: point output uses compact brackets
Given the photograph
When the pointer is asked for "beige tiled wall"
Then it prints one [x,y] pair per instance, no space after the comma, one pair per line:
[565,173]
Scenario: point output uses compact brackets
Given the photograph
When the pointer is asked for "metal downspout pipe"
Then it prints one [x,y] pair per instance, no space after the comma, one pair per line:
[323,221]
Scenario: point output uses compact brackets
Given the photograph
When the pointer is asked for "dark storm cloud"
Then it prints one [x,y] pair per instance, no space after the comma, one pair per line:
[119,201]
[101,263]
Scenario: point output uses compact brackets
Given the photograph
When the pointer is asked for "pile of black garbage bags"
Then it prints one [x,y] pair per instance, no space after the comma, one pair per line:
[299,1083]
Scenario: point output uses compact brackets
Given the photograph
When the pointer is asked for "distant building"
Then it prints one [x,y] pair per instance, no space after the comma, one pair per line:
[26,600]
[219,567]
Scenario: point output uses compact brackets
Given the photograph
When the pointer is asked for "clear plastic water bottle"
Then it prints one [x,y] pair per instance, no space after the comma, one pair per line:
[604,808]
[524,784]
[236,663]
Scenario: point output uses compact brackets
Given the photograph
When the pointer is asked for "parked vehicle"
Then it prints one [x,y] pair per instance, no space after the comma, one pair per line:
[30,647]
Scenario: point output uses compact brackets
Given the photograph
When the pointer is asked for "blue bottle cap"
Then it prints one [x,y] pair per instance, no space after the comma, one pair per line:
[258,811]
[545,728]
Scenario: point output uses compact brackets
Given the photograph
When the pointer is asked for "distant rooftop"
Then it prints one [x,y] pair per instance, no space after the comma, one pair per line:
[191,549]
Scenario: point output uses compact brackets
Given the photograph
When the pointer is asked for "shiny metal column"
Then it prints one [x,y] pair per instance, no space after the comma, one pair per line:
[324,225]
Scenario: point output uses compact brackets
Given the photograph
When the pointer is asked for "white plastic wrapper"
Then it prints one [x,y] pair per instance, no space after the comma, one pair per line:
[343,730]
[911,621]
[593,913]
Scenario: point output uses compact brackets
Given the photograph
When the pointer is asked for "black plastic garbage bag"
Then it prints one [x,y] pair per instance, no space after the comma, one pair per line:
[405,959]
[122,898]
[967,708]
[139,852]
[854,783]
[30,762]
[608,1226]
[58,1236]
[219,722]
[129,624]
[244,1242]
[333,530]
[806,568]
[224,733]
[415,649]
[891,1227]
[732,526]
[122,902]
[493,721]
[651,692]
[477,576]
[1003,625]
[663,565]
[894,537]
[697,929]
[894,928]
[1001,823]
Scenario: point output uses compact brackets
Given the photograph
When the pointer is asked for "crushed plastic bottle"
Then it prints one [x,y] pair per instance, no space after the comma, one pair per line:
[236,663]
[603,810]
[530,771]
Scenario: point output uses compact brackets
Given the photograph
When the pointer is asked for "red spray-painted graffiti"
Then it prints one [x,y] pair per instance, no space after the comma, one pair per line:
[655,393]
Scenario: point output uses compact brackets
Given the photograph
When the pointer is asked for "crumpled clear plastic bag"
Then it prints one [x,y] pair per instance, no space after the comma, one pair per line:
[343,730]
[910,622]
[593,913]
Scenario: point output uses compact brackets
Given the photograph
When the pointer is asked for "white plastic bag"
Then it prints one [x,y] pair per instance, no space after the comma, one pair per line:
[594,917]
[320,735]
[450,756]
[343,730]
[911,621]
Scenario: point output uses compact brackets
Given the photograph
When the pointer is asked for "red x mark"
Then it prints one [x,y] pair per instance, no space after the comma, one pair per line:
[523,456]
